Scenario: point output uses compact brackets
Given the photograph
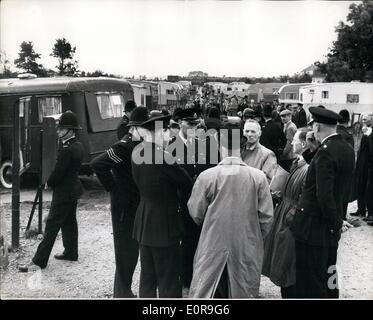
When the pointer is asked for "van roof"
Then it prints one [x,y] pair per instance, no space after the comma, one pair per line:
[58,84]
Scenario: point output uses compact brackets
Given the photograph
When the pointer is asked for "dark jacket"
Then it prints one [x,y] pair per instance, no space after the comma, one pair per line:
[64,178]
[122,128]
[300,118]
[158,221]
[273,137]
[319,220]
[198,158]
[342,130]
[114,170]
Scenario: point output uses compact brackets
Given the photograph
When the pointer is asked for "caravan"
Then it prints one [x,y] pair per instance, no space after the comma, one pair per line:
[356,97]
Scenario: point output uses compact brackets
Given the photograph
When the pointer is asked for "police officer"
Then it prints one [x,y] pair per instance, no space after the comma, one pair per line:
[67,189]
[113,169]
[318,223]
[158,223]
[122,128]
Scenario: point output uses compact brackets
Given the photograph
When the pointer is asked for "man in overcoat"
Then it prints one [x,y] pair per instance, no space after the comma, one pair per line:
[233,205]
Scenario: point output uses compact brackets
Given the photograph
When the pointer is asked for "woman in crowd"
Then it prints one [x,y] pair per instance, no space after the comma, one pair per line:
[279,247]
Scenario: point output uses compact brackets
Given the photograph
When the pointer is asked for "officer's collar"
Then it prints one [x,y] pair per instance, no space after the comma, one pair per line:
[328,137]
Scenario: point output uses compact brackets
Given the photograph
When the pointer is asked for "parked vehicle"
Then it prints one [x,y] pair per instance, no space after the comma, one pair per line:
[356,97]
[145,93]
[97,102]
[289,93]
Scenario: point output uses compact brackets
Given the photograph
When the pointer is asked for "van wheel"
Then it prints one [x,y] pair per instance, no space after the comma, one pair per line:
[6,174]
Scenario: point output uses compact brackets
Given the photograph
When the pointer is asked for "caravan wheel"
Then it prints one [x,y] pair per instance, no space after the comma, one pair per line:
[6,174]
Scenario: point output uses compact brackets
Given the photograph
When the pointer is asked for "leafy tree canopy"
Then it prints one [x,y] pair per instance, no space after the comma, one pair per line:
[351,55]
[27,59]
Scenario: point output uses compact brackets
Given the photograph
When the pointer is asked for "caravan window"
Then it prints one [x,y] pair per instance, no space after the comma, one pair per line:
[352,98]
[324,94]
[48,106]
[290,95]
[110,105]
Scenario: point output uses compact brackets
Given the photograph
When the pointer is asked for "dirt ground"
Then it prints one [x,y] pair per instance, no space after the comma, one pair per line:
[92,275]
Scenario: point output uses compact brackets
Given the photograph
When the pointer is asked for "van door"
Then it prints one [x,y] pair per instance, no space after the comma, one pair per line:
[25,132]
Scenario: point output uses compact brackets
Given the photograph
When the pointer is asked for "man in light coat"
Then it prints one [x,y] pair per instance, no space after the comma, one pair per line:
[256,155]
[233,205]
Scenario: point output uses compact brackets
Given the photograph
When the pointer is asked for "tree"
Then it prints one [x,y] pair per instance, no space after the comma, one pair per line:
[64,52]
[197,74]
[351,56]
[27,59]
[5,67]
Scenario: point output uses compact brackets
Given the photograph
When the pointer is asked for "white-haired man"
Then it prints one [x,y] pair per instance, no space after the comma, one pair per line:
[254,154]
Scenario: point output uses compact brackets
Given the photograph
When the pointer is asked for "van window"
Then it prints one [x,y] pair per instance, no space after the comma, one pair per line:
[48,106]
[110,105]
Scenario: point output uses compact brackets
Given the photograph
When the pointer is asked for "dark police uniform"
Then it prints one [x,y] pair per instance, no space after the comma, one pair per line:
[318,222]
[158,224]
[67,189]
[113,169]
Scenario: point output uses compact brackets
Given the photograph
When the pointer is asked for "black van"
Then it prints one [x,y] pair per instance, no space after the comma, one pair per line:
[97,102]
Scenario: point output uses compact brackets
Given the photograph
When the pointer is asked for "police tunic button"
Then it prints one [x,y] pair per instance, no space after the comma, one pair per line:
[302,209]
[331,231]
[324,146]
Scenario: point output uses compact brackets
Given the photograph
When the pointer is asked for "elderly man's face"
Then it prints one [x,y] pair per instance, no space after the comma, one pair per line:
[364,119]
[252,132]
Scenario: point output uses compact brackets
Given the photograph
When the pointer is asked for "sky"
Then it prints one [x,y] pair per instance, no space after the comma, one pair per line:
[168,37]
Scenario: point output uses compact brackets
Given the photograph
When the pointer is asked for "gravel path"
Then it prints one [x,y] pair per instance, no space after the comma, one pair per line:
[92,275]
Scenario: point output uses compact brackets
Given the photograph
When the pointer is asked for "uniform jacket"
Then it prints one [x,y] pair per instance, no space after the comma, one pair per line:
[114,170]
[233,204]
[64,178]
[162,187]
[273,137]
[319,219]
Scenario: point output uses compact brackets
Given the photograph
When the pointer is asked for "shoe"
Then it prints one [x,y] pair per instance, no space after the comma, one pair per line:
[62,256]
[29,267]
[370,223]
[368,219]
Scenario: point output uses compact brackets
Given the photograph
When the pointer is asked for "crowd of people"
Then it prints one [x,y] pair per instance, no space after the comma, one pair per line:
[218,193]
